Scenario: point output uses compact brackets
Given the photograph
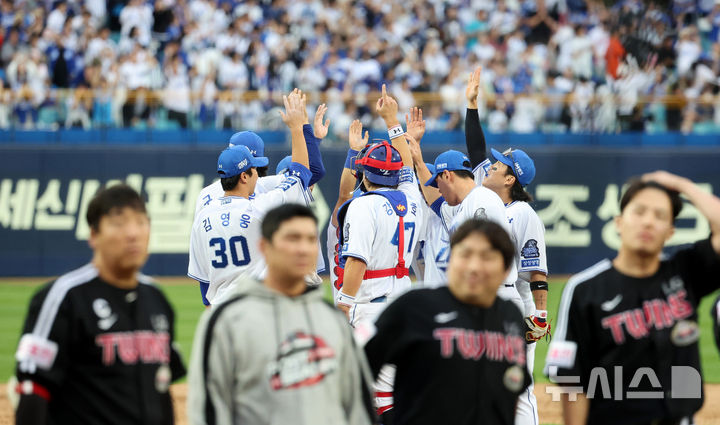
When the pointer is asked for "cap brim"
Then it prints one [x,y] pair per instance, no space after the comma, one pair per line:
[502,158]
[259,161]
[433,180]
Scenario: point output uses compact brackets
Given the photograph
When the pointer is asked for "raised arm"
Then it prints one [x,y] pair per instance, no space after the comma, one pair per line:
[431,194]
[347,179]
[387,108]
[294,117]
[474,136]
[707,203]
[313,137]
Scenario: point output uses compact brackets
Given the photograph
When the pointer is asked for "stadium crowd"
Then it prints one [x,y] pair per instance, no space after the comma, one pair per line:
[549,65]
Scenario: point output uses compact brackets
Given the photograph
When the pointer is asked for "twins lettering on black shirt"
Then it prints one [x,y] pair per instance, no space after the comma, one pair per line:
[658,313]
[474,345]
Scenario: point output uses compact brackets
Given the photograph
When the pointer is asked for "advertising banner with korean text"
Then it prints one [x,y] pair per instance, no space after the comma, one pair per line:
[45,190]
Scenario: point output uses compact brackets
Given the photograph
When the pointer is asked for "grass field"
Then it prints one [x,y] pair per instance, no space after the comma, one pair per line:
[185,298]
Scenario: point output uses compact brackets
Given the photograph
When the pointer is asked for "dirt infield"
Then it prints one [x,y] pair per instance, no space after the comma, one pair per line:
[549,411]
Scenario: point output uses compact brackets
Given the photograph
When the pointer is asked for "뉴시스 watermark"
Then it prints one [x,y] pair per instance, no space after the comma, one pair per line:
[685,383]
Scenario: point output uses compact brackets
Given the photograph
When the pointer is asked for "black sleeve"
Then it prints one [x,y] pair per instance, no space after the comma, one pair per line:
[474,138]
[386,342]
[699,266]
[42,356]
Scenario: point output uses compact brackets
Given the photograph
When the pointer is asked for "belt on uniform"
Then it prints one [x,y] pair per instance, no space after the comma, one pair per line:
[379,299]
[509,285]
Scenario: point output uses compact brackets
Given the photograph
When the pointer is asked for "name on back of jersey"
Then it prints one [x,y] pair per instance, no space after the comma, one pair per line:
[225,218]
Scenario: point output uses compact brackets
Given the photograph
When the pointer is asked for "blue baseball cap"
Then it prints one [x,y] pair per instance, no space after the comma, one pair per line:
[283,165]
[237,159]
[247,138]
[430,167]
[451,161]
[522,166]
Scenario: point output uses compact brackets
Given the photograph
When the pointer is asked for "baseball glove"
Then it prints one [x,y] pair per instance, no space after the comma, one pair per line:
[536,328]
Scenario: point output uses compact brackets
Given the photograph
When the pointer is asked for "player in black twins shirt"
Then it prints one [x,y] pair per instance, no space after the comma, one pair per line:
[97,342]
[630,324]
[459,349]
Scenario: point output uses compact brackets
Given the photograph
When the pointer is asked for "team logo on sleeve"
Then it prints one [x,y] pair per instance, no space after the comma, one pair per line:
[302,361]
[480,214]
[346,232]
[531,252]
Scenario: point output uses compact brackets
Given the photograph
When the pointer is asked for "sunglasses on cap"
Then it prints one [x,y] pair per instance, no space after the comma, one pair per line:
[509,153]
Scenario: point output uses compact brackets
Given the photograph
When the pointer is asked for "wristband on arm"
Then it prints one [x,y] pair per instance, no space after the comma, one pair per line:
[345,299]
[350,160]
[538,285]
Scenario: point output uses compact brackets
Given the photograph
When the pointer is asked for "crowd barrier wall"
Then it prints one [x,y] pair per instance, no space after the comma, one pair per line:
[45,189]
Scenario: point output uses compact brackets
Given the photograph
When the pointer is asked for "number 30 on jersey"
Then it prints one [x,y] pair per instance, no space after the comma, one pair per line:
[221,258]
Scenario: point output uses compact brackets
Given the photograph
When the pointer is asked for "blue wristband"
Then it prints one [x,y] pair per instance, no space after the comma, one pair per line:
[350,160]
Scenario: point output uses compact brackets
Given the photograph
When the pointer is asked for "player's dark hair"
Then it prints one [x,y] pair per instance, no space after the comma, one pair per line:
[112,198]
[517,192]
[464,173]
[262,171]
[230,183]
[495,234]
[277,216]
[635,186]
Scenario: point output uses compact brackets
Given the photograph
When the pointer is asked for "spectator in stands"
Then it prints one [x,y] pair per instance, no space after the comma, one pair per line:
[137,14]
[56,18]
[177,91]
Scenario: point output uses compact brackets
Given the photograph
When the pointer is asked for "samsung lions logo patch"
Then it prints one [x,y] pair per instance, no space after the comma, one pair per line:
[480,214]
[530,250]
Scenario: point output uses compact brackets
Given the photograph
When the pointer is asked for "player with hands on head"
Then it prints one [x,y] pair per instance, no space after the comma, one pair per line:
[225,234]
[637,314]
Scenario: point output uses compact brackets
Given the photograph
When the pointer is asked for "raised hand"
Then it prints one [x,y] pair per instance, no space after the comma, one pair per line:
[473,88]
[320,129]
[415,123]
[294,115]
[387,108]
[415,150]
[357,142]
[669,180]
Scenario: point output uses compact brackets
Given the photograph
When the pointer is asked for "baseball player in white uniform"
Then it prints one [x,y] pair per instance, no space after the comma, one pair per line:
[378,233]
[512,171]
[433,251]
[225,234]
[461,200]
[264,183]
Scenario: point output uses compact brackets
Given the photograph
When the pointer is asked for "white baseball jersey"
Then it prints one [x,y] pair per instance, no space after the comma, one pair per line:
[214,190]
[371,234]
[481,171]
[435,251]
[483,203]
[263,185]
[225,235]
